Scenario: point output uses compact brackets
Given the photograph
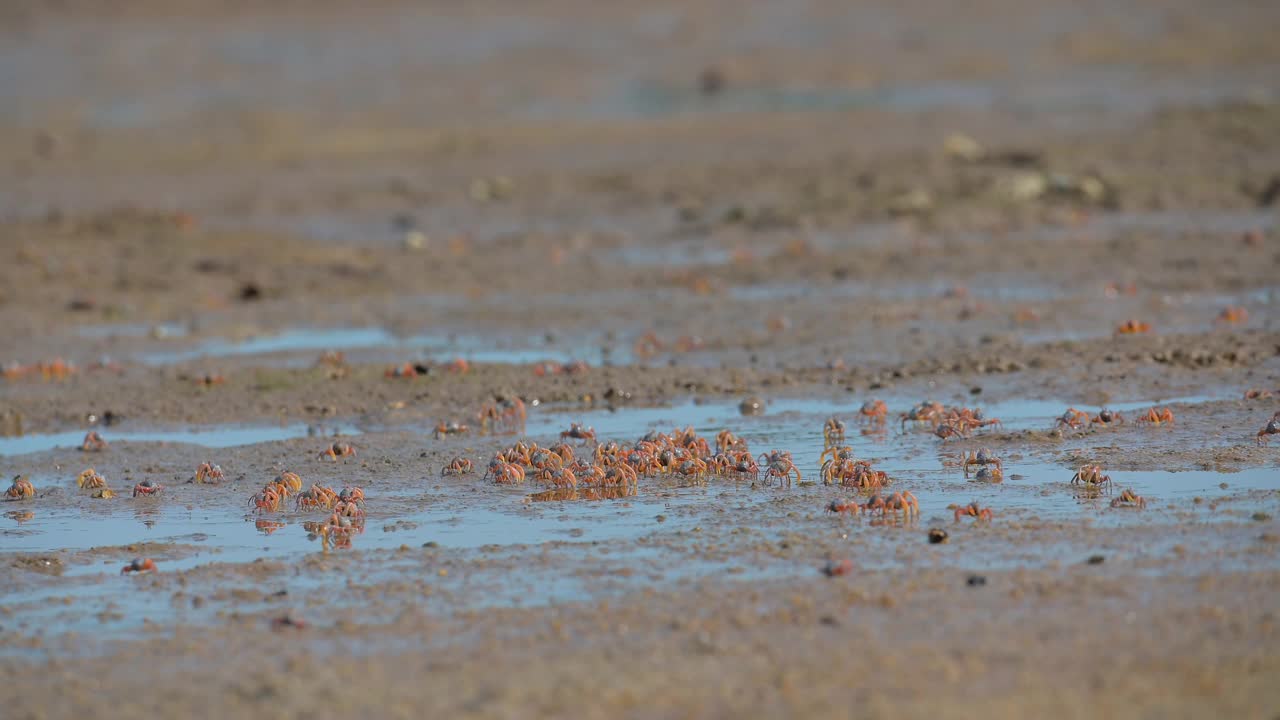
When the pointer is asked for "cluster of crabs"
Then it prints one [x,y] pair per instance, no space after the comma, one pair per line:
[345,508]
[579,466]
[1074,419]
[55,369]
[947,422]
[681,453]
[614,470]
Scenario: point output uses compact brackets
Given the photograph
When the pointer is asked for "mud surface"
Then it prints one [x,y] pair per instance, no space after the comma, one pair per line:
[708,205]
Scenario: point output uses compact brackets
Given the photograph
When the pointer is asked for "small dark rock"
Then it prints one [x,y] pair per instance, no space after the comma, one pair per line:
[211,265]
[751,406]
[1096,560]
[977,580]
[250,292]
[1270,193]
[430,544]
[711,81]
[937,536]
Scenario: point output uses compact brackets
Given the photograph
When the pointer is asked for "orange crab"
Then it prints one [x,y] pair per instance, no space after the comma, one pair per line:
[563,478]
[1271,428]
[1025,316]
[970,418]
[1156,416]
[147,488]
[1073,418]
[1129,498]
[407,370]
[691,467]
[847,471]
[21,489]
[505,473]
[507,415]
[208,381]
[338,530]
[577,431]
[90,479]
[726,441]
[139,565]
[332,358]
[459,366]
[450,428]
[337,450]
[209,473]
[990,474]
[1107,417]
[348,509]
[844,506]
[518,453]
[830,468]
[458,466]
[1232,315]
[588,474]
[982,457]
[782,467]
[836,569]
[1090,476]
[873,411]
[1257,394]
[948,430]
[1133,327]
[288,482]
[317,496]
[973,510]
[93,442]
[647,345]
[904,502]
[833,431]
[620,474]
[926,412]
[269,500]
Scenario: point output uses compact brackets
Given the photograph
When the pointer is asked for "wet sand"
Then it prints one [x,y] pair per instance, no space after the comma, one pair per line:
[705,203]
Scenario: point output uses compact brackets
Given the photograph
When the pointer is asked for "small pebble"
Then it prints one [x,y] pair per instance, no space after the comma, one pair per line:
[1096,559]
[977,580]
[937,536]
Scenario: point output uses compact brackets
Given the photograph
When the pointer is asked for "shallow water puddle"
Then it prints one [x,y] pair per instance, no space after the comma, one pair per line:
[992,289]
[917,460]
[501,518]
[205,436]
[420,347]
[711,417]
